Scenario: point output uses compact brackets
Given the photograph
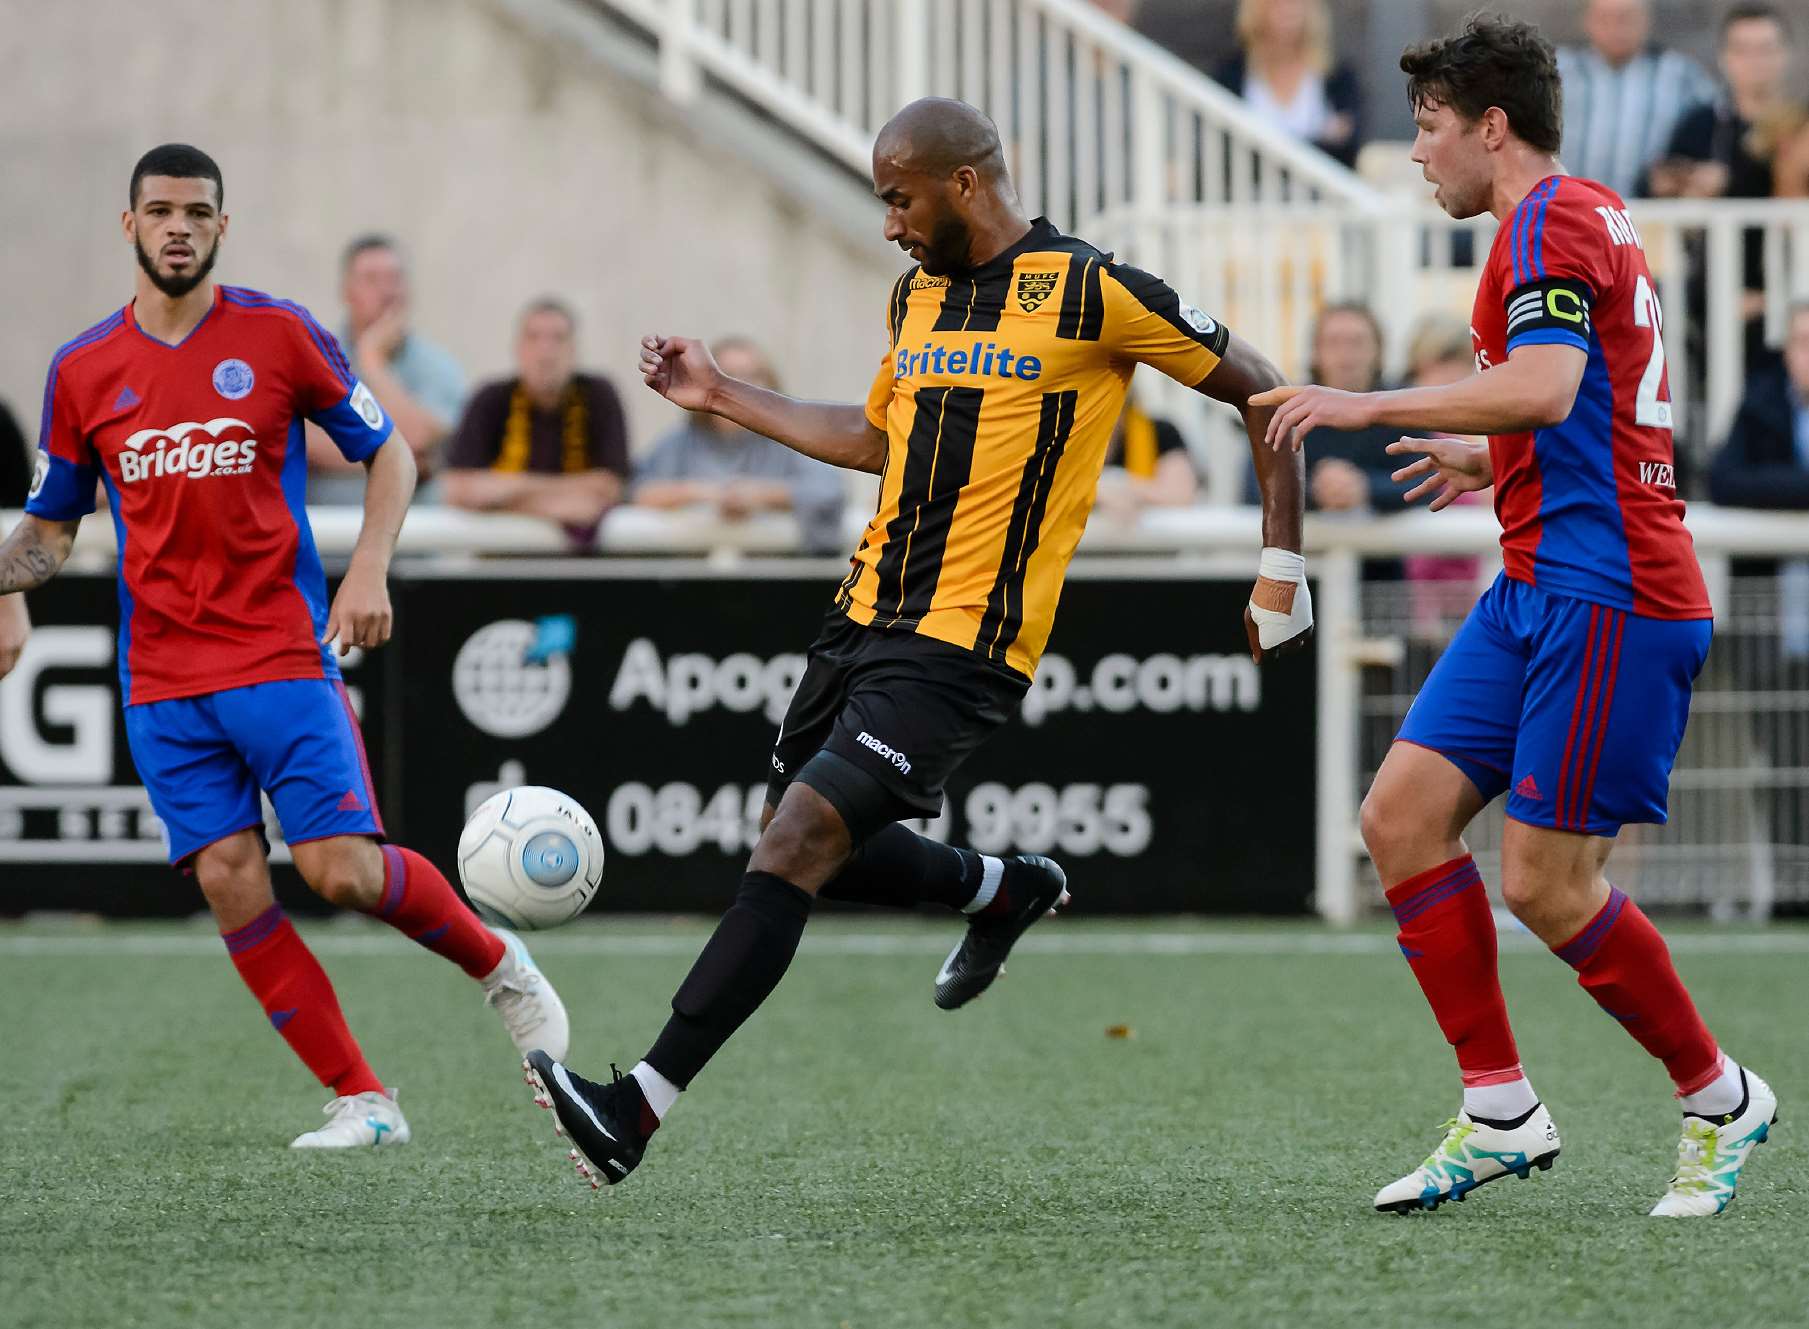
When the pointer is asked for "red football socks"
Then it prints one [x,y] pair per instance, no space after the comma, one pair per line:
[421,904]
[1448,936]
[1625,965]
[296,994]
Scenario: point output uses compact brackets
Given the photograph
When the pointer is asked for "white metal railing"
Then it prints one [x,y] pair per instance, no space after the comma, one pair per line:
[1095,117]
[1266,272]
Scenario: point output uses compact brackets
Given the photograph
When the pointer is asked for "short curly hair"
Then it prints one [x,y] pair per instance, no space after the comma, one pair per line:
[1494,61]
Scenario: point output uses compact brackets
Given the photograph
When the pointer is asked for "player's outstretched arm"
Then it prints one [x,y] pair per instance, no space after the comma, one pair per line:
[360,614]
[34,553]
[15,630]
[682,370]
[1279,617]
[1535,389]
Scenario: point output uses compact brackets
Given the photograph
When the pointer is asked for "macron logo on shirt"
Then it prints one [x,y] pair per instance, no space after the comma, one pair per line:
[153,453]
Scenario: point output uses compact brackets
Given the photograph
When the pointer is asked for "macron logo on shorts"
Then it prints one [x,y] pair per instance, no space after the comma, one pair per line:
[891,754]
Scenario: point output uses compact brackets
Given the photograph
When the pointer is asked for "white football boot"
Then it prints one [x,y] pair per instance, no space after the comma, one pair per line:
[1473,1154]
[531,1011]
[1711,1154]
[358,1121]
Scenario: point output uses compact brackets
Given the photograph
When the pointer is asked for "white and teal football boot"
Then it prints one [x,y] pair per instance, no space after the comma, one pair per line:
[531,1010]
[1712,1152]
[358,1121]
[1472,1154]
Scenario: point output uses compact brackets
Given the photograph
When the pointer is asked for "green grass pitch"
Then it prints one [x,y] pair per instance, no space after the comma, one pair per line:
[858,1158]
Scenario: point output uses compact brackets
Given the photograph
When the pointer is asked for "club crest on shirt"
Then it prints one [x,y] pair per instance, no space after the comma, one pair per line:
[365,403]
[1034,288]
[233,379]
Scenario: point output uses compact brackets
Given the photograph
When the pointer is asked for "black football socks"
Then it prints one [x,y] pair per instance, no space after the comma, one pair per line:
[901,869]
[739,967]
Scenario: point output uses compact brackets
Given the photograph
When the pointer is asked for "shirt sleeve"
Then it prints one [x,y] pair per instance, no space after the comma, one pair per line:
[478,438]
[608,428]
[1559,250]
[65,471]
[329,394]
[879,396]
[1147,322]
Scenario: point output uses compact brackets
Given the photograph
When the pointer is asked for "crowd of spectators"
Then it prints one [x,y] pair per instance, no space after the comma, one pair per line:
[552,440]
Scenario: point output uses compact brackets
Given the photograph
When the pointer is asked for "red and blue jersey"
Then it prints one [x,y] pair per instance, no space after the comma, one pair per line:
[1589,507]
[201,448]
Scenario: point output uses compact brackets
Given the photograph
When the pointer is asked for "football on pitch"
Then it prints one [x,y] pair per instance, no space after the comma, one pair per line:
[530,858]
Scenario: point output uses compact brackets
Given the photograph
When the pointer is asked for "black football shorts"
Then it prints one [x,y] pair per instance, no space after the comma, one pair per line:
[881,719]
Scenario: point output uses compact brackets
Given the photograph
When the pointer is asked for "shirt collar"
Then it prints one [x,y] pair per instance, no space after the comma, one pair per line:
[1039,236]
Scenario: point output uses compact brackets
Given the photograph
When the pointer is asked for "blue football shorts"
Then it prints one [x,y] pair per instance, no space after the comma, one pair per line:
[1574,708]
[204,760]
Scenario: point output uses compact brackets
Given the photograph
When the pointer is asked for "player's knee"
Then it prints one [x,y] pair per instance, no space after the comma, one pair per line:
[1392,828]
[805,842]
[231,873]
[346,873]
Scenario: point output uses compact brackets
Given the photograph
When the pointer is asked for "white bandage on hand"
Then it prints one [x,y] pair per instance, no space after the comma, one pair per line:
[1281,607]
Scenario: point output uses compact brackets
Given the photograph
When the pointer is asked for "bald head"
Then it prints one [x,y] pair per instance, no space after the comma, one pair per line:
[939,169]
[937,136]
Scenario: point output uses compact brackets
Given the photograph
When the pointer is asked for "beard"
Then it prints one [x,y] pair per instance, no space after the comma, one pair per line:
[177,286]
[950,243]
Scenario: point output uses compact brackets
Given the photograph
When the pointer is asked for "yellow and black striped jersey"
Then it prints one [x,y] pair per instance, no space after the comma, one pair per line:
[998,395]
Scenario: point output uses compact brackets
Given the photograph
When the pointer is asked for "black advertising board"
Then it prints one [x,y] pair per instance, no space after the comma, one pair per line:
[1152,758]
[76,830]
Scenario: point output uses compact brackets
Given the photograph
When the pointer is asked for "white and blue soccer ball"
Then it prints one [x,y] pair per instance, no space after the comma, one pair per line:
[530,858]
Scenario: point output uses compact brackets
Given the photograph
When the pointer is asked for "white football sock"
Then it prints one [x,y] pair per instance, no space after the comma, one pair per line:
[992,872]
[659,1092]
[1507,1101]
[1719,1098]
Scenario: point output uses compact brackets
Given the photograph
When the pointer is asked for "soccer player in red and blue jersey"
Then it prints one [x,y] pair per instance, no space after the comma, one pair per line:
[188,406]
[1569,685]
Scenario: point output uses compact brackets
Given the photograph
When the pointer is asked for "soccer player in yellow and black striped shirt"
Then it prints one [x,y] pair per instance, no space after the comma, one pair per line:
[1008,350]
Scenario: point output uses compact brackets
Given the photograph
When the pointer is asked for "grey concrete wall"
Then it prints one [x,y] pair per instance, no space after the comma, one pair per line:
[510,164]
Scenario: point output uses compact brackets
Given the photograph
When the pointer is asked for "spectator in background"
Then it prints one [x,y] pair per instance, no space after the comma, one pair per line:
[1710,154]
[1286,75]
[550,442]
[1624,94]
[1147,465]
[709,462]
[1443,586]
[1349,471]
[1765,461]
[15,462]
[1765,464]
[1784,140]
[1440,351]
[417,383]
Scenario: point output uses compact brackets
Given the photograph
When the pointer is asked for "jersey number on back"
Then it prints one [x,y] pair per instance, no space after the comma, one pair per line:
[1648,407]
